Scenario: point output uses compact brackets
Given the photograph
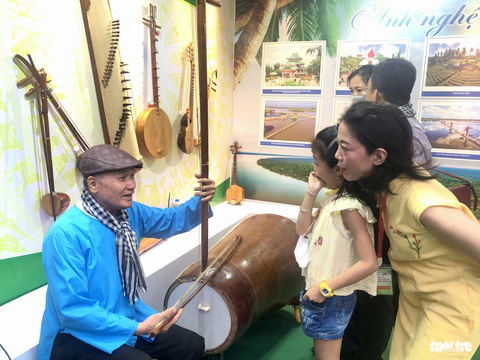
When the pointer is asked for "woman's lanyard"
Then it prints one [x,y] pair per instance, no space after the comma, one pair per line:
[381,230]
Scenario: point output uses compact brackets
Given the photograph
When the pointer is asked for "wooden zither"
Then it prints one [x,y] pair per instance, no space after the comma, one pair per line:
[114,107]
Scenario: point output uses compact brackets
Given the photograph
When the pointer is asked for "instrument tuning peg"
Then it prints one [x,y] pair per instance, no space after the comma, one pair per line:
[22,82]
[126,89]
[125,72]
[123,64]
[29,92]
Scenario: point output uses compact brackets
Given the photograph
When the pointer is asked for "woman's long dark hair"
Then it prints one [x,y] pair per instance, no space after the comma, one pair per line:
[380,125]
[325,145]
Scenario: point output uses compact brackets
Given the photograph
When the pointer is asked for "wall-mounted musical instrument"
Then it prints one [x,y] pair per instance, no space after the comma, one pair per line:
[52,203]
[235,194]
[185,139]
[103,33]
[32,77]
[212,88]
[153,128]
[212,83]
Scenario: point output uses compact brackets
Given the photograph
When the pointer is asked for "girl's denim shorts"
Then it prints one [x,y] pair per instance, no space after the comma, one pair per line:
[327,320]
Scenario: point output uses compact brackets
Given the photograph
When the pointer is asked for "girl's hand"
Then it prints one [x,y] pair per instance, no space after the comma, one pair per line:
[315,184]
[314,294]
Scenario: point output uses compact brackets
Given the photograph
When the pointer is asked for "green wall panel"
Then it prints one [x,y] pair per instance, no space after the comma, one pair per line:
[20,275]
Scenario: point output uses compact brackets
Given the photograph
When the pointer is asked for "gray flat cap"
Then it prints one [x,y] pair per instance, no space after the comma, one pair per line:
[105,157]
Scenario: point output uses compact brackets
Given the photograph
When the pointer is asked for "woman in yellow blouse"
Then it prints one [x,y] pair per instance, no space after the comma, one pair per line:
[434,239]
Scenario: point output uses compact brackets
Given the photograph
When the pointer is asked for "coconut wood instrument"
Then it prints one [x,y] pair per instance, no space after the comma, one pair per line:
[153,128]
[232,245]
[235,194]
[261,276]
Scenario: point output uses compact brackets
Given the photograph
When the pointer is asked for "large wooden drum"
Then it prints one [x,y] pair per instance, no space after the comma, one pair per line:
[260,276]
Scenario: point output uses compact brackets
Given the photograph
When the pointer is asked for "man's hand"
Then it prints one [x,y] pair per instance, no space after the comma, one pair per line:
[171,315]
[206,190]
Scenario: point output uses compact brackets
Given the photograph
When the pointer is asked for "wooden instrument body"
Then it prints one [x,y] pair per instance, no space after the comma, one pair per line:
[154,132]
[55,203]
[185,138]
[235,194]
[261,276]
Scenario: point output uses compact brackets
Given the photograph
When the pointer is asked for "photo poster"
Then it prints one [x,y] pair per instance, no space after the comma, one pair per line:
[452,127]
[275,178]
[289,121]
[352,54]
[452,67]
[340,106]
[293,68]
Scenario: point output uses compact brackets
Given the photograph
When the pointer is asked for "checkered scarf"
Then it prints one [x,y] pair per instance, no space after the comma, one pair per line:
[407,110]
[131,271]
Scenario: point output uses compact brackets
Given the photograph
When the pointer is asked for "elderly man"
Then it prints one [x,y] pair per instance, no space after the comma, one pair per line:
[90,255]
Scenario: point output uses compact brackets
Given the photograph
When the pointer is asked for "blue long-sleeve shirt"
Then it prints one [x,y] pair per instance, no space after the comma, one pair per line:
[85,296]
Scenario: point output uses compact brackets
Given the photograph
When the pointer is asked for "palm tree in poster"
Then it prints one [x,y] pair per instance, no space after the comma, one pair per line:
[258,21]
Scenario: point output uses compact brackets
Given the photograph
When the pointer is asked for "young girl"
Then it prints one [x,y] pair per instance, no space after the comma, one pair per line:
[342,256]
[434,239]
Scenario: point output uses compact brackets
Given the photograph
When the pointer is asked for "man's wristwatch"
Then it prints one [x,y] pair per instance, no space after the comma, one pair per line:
[325,290]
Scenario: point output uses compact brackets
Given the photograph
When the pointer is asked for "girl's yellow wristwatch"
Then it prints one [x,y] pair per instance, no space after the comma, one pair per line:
[325,290]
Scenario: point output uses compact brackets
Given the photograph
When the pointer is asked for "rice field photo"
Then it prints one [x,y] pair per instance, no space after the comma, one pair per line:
[452,67]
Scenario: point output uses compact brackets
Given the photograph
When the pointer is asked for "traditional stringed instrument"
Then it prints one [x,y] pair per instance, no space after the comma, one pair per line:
[113,99]
[153,128]
[212,88]
[185,139]
[52,203]
[32,77]
[235,194]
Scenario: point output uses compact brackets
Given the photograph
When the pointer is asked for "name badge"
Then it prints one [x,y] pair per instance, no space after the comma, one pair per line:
[384,285]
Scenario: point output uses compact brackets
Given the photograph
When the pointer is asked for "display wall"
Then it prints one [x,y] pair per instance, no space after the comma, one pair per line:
[53,33]
[291,62]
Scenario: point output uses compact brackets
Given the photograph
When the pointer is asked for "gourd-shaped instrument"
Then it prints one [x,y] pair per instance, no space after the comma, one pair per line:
[153,128]
[185,139]
[235,194]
